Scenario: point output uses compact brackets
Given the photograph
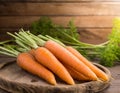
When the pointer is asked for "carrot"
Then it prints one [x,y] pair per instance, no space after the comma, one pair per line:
[57,50]
[76,75]
[32,51]
[95,69]
[68,58]
[28,63]
[46,58]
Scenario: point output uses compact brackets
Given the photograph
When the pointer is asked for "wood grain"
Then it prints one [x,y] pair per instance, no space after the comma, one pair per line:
[59,0]
[95,35]
[24,82]
[80,21]
[115,71]
[5,30]
[114,86]
[93,17]
[88,35]
[4,37]
[3,91]
[74,9]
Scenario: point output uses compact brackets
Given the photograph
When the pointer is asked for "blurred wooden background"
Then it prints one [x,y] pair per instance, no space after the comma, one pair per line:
[92,17]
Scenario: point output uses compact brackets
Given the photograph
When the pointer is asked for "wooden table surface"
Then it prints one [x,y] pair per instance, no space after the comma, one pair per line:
[115,71]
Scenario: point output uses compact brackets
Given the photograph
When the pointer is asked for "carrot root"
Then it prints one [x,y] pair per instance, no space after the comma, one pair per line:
[68,58]
[77,75]
[27,62]
[100,74]
[46,58]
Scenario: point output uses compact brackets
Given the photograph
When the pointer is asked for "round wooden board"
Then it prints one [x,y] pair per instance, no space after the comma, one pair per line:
[16,80]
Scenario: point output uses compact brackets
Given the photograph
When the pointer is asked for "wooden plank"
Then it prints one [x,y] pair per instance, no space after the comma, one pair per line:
[17,21]
[115,84]
[4,37]
[91,8]
[11,30]
[23,82]
[94,36]
[59,0]
[80,21]
[88,35]
[3,91]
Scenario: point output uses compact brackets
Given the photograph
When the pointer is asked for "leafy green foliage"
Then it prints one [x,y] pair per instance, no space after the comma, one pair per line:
[112,49]
[45,26]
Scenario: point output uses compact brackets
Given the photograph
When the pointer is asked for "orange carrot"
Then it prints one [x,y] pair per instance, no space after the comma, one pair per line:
[46,58]
[32,51]
[76,75]
[28,63]
[68,58]
[95,69]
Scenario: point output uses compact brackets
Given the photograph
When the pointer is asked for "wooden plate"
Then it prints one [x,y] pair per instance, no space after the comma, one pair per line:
[16,80]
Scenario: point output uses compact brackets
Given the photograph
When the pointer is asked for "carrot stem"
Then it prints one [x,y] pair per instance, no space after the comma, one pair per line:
[22,45]
[36,39]
[6,51]
[29,40]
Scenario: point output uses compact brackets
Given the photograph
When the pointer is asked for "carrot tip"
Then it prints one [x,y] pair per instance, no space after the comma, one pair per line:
[53,82]
[72,83]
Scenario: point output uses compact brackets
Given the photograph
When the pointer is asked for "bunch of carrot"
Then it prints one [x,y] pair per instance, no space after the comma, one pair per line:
[47,58]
